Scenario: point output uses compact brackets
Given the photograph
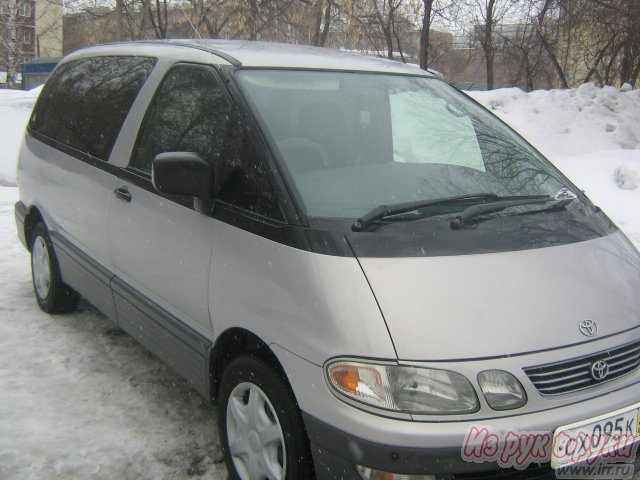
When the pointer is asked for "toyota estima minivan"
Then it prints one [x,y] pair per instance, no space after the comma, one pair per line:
[365,270]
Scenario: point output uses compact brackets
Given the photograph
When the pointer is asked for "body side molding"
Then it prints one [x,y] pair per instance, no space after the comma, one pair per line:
[183,349]
[180,347]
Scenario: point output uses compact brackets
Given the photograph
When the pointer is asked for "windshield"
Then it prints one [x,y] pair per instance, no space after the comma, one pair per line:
[352,141]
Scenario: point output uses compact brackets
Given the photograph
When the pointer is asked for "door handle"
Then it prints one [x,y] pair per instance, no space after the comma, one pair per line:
[123,194]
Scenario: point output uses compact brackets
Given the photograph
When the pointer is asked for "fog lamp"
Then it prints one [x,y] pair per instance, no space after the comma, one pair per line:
[371,474]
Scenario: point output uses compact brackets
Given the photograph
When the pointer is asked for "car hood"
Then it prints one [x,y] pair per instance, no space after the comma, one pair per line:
[473,306]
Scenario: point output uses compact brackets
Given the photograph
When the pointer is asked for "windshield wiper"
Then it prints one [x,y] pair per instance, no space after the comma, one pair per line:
[383,211]
[493,207]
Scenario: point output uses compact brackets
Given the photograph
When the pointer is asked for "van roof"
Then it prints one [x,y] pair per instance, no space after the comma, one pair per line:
[279,55]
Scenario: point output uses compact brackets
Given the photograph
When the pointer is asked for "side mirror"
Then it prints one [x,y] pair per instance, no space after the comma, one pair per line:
[182,173]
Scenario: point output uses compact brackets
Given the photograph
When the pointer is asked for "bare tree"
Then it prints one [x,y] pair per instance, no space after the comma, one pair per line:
[157,16]
[486,14]
[385,14]
[525,42]
[431,10]
[378,20]
[628,14]
[211,17]
[22,27]
[322,20]
[592,40]
[425,33]
[11,44]
[547,35]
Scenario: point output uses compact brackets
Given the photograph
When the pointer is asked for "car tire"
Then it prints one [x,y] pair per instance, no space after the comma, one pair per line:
[261,429]
[52,294]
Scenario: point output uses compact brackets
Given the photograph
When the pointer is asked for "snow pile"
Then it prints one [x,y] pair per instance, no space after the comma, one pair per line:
[15,109]
[627,178]
[571,122]
[592,134]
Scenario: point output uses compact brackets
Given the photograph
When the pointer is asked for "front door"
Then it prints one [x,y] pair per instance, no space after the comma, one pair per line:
[160,246]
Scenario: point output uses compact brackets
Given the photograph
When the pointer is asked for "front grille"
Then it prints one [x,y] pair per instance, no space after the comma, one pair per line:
[575,374]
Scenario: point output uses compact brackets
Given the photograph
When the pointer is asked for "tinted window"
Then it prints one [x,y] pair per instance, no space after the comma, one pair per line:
[243,179]
[85,102]
[190,113]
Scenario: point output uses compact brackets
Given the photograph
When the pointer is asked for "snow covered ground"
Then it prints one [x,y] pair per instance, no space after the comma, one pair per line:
[79,399]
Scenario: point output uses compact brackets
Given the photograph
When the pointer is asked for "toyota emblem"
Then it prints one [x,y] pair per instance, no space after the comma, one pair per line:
[588,327]
[599,370]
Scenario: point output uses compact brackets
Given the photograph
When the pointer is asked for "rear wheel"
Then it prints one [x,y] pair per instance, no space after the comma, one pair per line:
[261,428]
[52,294]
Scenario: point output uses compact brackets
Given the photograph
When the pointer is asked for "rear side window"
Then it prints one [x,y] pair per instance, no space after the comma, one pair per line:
[85,102]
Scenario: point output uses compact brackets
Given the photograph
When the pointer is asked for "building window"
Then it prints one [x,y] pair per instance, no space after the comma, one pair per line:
[24,9]
[26,37]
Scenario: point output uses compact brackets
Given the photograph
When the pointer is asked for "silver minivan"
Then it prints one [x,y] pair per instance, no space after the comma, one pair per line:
[371,275]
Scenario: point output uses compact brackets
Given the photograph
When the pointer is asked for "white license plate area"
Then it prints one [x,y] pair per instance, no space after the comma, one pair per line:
[596,437]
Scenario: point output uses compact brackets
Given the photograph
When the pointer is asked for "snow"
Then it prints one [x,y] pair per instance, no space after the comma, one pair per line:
[80,399]
[15,109]
[571,122]
[627,178]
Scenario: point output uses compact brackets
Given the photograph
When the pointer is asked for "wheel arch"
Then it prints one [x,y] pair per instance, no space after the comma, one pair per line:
[232,343]
[33,217]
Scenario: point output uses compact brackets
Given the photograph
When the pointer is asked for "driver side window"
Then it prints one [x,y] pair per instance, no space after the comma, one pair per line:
[189,114]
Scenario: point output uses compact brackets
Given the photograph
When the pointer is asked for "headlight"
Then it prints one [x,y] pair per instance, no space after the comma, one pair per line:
[501,389]
[424,391]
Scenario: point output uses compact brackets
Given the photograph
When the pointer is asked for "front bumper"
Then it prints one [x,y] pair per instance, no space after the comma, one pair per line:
[343,436]
[336,454]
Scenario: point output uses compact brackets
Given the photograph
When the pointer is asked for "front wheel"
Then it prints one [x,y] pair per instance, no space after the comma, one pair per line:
[52,294]
[261,429]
